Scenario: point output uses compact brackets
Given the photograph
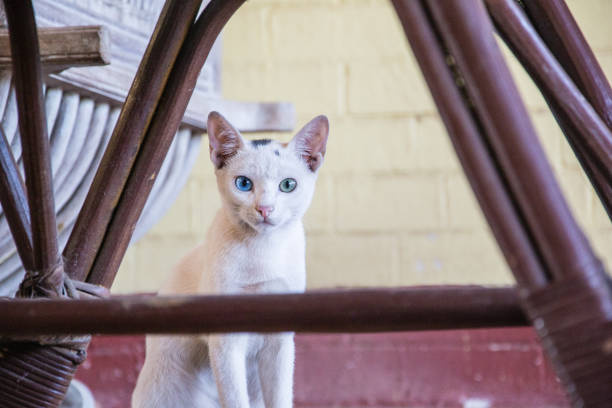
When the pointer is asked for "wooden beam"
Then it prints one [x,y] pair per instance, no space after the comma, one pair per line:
[65,47]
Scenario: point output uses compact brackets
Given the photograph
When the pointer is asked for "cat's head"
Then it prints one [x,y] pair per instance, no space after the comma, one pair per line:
[265,184]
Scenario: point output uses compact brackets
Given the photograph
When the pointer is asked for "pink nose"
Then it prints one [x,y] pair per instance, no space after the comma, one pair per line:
[264,210]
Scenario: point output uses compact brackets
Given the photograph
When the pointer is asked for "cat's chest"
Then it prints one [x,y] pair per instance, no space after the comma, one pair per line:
[264,265]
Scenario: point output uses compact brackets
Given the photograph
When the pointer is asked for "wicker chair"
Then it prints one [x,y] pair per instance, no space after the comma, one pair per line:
[562,286]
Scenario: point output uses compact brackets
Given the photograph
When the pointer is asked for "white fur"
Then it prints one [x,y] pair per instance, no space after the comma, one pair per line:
[244,252]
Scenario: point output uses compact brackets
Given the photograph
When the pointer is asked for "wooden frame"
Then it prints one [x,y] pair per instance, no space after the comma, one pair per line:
[562,286]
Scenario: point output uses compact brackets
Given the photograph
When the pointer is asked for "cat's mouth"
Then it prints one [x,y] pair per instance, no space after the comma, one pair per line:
[260,223]
[266,221]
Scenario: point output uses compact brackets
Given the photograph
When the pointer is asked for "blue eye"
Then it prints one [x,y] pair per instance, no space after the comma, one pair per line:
[243,183]
[287,185]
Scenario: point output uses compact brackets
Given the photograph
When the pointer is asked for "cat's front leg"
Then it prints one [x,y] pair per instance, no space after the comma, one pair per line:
[275,365]
[228,361]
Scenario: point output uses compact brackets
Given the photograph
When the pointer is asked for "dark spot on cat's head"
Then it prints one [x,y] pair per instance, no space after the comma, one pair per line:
[260,142]
[276,153]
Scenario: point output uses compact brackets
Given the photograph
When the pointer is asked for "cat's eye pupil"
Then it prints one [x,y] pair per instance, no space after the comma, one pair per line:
[243,183]
[288,185]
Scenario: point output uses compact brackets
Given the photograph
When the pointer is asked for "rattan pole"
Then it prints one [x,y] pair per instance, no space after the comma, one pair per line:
[467,31]
[465,133]
[144,95]
[27,76]
[14,202]
[21,384]
[558,29]
[586,132]
[601,185]
[163,127]
[358,310]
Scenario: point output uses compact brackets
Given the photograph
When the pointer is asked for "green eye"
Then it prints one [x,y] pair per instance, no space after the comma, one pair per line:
[243,183]
[287,185]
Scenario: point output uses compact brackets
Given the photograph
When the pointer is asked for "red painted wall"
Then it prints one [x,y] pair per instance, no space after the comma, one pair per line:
[466,368]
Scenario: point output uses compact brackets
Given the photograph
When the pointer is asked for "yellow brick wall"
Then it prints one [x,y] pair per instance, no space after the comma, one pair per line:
[392,205]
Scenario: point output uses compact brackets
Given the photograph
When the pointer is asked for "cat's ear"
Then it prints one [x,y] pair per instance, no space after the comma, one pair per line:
[224,140]
[310,142]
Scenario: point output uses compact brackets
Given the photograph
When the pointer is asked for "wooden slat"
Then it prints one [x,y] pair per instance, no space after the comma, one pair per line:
[163,127]
[87,235]
[333,311]
[245,115]
[65,47]
[483,173]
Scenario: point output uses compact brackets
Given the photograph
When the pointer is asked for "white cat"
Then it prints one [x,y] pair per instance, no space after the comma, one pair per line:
[254,245]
